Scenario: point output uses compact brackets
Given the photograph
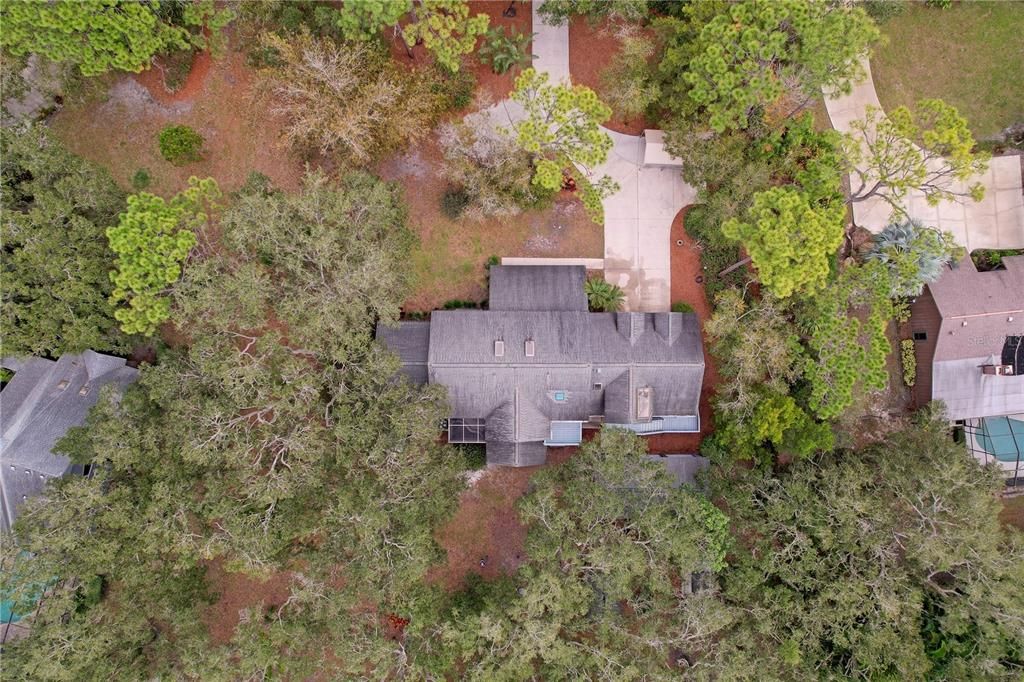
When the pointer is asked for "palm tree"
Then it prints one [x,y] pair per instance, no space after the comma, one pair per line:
[915,255]
[603,296]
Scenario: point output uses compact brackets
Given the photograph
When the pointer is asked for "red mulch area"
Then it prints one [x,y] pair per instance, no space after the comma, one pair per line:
[239,591]
[153,80]
[591,50]
[487,526]
[686,289]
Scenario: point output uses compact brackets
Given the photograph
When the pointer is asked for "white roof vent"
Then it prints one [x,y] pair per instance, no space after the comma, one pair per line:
[531,348]
[499,348]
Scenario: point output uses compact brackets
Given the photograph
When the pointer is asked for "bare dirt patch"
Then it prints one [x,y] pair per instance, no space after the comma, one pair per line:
[1012,513]
[686,269]
[486,527]
[592,47]
[449,262]
[238,591]
[118,128]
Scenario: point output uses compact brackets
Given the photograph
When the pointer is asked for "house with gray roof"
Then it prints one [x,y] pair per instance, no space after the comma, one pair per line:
[537,367]
[968,331]
[40,403]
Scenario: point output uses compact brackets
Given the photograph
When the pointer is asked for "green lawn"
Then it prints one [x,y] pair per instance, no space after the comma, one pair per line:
[971,55]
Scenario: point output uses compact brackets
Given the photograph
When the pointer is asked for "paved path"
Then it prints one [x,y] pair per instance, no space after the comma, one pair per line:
[996,222]
[637,218]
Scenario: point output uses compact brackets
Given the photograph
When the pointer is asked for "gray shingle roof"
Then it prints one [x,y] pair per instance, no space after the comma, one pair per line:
[582,364]
[979,311]
[38,406]
[537,287]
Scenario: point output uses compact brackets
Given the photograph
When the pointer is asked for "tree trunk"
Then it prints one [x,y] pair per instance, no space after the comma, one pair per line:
[734,266]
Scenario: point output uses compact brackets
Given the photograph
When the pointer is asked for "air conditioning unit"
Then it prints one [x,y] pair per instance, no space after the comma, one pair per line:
[997,370]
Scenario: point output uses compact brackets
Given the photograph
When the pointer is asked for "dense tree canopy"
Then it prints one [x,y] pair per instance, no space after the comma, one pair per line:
[444,27]
[725,62]
[56,259]
[889,562]
[751,52]
[103,35]
[609,545]
[270,439]
[789,239]
[151,240]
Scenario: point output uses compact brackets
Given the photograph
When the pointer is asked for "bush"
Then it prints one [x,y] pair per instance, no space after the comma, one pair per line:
[454,202]
[909,361]
[680,307]
[474,455]
[353,100]
[460,304]
[141,179]
[505,52]
[603,296]
[880,10]
[454,89]
[493,171]
[180,144]
[176,67]
[627,85]
[714,255]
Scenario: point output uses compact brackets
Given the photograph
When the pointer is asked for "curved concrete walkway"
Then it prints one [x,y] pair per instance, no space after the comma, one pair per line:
[995,222]
[637,218]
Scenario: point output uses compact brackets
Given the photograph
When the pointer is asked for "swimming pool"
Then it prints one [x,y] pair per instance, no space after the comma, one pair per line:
[1002,437]
[6,615]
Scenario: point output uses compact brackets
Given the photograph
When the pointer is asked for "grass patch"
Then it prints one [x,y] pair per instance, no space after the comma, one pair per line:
[969,55]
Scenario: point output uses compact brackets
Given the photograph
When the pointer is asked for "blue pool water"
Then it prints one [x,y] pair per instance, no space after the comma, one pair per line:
[1002,437]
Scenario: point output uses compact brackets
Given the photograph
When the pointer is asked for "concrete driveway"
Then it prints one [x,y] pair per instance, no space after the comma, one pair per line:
[637,218]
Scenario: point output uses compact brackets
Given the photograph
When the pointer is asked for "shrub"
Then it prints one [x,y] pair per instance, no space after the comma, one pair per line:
[493,171]
[180,144]
[909,361]
[351,100]
[141,179]
[454,202]
[459,304]
[505,52]
[914,254]
[680,307]
[627,85]
[603,296]
[714,255]
[474,455]
[456,88]
[176,67]
[880,10]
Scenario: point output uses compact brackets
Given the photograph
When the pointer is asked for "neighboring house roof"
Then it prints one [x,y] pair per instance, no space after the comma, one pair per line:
[41,402]
[527,371]
[982,315]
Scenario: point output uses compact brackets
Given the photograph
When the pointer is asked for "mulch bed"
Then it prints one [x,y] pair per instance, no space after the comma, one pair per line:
[685,289]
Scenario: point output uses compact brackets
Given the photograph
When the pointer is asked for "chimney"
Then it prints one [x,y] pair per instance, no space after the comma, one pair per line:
[531,348]
[499,348]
